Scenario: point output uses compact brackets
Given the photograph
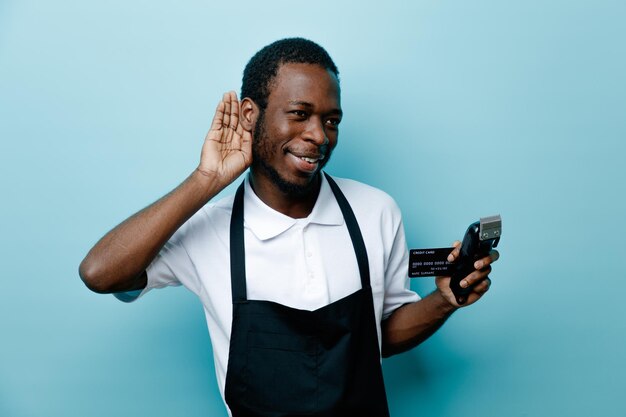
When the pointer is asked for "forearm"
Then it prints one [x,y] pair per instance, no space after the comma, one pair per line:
[413,323]
[117,262]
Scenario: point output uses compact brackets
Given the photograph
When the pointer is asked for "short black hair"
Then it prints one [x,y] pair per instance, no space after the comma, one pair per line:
[263,66]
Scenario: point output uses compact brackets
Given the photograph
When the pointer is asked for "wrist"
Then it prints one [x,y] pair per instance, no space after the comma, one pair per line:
[205,183]
[444,303]
[205,174]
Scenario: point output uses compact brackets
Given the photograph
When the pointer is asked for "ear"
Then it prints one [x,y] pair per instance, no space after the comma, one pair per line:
[249,113]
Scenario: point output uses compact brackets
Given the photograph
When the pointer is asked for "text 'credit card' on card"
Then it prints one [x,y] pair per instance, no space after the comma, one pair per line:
[430,262]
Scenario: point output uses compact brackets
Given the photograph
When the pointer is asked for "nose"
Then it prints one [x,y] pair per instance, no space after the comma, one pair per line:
[315,132]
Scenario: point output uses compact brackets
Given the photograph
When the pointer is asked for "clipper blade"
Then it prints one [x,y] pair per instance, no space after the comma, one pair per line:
[490,227]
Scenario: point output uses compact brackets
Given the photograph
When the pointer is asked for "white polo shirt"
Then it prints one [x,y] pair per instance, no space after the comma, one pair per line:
[301,263]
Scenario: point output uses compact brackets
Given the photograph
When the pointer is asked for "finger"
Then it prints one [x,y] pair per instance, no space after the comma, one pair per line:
[227,110]
[493,256]
[483,286]
[234,111]
[232,136]
[216,124]
[475,277]
[246,146]
[239,130]
[455,252]
[239,138]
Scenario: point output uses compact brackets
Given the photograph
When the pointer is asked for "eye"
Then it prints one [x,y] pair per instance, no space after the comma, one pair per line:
[299,113]
[333,122]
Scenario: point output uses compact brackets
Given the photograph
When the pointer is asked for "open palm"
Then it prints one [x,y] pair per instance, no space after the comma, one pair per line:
[227,151]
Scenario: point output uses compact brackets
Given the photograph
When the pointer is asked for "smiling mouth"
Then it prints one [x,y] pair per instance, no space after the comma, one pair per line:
[309,157]
[311,160]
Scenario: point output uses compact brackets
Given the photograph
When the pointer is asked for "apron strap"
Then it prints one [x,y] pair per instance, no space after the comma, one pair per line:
[238,251]
[354,230]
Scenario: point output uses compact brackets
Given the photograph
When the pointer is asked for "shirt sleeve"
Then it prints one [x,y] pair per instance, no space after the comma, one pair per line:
[171,267]
[397,286]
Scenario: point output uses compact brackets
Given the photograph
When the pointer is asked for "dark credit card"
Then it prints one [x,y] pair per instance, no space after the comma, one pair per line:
[429,262]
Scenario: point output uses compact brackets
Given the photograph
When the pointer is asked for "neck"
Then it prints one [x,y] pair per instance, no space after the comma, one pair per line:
[296,205]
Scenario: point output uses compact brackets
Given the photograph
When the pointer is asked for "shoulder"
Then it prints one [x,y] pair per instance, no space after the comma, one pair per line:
[215,211]
[213,216]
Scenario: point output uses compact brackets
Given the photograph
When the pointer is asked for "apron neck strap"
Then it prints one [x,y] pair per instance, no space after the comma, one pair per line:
[354,230]
[237,246]
[237,249]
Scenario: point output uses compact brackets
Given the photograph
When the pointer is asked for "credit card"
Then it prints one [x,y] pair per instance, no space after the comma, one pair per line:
[430,262]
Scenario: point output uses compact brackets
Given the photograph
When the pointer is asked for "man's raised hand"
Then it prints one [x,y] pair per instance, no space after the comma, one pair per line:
[227,149]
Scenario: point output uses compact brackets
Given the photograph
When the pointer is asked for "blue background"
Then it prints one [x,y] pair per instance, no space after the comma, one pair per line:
[457,109]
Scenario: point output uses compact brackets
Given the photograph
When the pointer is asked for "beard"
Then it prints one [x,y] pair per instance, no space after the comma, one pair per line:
[261,152]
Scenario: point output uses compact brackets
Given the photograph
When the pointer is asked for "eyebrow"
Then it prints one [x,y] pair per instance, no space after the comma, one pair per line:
[309,105]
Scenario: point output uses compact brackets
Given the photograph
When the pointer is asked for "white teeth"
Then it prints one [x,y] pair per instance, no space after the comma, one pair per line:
[309,160]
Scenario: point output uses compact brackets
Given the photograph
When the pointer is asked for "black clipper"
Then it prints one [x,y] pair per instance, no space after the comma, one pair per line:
[478,241]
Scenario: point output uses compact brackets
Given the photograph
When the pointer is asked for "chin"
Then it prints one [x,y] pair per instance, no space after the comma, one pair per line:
[297,187]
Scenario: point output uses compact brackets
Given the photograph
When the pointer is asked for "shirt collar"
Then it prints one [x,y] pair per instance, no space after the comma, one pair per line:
[266,223]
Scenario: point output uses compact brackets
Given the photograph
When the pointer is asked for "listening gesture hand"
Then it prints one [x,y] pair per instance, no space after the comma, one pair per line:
[227,149]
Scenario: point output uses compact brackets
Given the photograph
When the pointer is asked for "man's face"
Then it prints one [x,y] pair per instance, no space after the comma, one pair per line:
[295,135]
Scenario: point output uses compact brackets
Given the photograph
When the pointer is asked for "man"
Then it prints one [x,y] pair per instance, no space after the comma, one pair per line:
[303,278]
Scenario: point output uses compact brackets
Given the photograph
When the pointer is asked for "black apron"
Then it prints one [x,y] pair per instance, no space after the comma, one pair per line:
[289,362]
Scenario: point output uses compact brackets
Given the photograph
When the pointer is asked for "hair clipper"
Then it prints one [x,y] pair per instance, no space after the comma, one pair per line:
[478,241]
